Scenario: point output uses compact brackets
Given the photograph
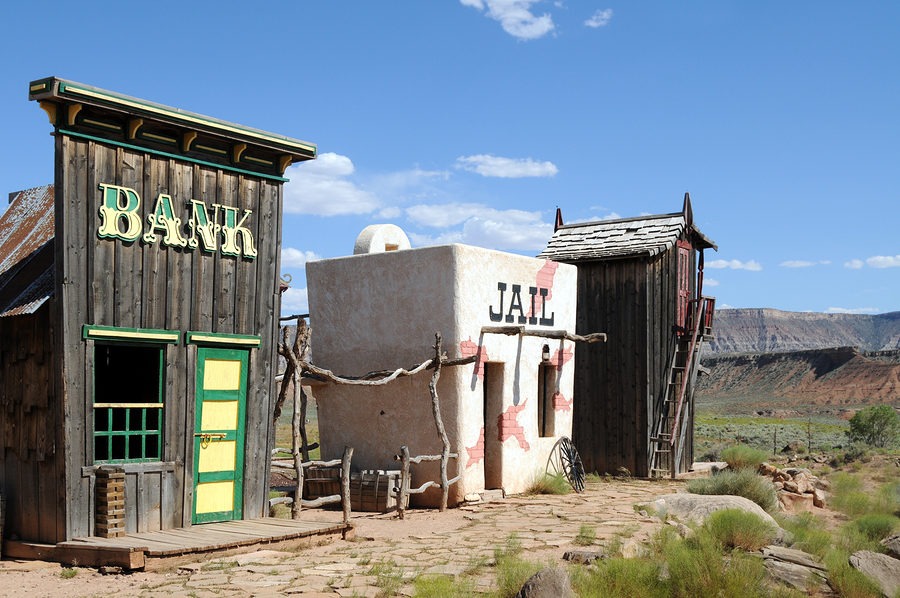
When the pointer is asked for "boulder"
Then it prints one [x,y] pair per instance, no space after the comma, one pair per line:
[892,543]
[547,583]
[792,502]
[819,498]
[884,570]
[796,569]
[696,508]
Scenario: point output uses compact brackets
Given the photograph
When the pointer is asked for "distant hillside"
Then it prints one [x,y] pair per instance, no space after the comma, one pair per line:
[836,377]
[772,330]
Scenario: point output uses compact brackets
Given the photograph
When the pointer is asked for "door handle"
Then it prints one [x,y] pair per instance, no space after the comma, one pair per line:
[207,437]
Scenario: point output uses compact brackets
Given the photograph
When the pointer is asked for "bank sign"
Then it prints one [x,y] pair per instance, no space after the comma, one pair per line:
[220,229]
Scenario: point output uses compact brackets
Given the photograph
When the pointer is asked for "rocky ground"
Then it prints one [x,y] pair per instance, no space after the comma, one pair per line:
[385,550]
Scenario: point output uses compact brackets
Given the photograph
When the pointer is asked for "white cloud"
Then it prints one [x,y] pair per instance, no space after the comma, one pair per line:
[710,282]
[320,187]
[390,213]
[515,17]
[884,261]
[854,264]
[803,263]
[509,168]
[751,265]
[294,301]
[295,258]
[854,310]
[482,226]
[601,18]
[610,216]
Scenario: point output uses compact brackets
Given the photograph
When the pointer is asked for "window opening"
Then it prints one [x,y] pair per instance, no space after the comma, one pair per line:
[128,404]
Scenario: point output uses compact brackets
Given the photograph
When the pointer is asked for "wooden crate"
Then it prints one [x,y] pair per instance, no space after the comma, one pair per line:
[321,481]
[372,490]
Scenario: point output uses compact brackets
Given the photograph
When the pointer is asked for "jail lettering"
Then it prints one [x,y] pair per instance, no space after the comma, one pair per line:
[516,306]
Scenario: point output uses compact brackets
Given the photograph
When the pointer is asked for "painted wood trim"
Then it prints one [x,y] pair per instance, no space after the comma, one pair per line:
[68,89]
[222,339]
[156,152]
[129,468]
[146,335]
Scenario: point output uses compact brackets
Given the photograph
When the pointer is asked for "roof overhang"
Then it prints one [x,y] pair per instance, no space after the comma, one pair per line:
[95,113]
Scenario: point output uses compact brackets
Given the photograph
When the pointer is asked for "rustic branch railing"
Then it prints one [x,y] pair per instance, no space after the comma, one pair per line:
[402,493]
[297,500]
[594,337]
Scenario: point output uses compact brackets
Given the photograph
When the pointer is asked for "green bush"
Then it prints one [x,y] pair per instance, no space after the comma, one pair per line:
[876,526]
[876,426]
[847,581]
[809,533]
[744,482]
[698,568]
[620,577]
[741,456]
[733,528]
[443,586]
[586,535]
[549,484]
[848,496]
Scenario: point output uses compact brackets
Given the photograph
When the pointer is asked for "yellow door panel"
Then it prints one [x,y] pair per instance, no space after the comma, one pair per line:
[220,374]
[217,456]
[214,497]
[219,415]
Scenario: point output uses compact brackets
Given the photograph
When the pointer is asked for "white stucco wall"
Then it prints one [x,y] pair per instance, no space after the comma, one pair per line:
[380,311]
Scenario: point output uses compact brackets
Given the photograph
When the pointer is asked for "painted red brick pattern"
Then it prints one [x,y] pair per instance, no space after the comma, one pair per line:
[509,426]
[560,358]
[560,403]
[476,452]
[468,348]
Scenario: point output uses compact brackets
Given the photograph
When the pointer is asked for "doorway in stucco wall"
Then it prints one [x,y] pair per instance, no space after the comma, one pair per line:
[493,411]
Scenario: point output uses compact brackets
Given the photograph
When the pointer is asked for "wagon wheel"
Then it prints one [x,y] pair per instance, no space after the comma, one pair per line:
[564,460]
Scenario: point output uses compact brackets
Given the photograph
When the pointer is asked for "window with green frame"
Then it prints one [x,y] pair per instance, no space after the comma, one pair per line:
[128,402]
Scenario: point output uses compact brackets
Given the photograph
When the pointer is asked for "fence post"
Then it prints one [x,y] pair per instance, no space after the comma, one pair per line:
[345,482]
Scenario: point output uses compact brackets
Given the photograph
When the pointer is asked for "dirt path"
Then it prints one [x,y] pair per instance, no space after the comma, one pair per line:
[385,551]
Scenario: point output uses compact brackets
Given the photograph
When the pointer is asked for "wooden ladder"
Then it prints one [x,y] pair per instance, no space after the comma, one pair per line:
[667,440]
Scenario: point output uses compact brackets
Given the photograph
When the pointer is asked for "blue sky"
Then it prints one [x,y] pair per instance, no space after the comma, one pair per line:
[472,120]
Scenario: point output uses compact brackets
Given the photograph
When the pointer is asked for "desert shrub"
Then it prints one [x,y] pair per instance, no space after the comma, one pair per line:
[620,577]
[443,586]
[743,482]
[876,526]
[697,568]
[549,484]
[586,535]
[741,456]
[847,581]
[848,496]
[809,533]
[512,570]
[876,426]
[734,528]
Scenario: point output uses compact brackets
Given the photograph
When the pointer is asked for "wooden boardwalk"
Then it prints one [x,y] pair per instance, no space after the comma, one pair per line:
[166,548]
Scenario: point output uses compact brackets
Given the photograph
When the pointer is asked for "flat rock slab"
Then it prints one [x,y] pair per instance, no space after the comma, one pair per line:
[796,576]
[792,555]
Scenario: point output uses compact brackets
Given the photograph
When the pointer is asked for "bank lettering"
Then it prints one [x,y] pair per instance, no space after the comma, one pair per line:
[516,306]
[223,229]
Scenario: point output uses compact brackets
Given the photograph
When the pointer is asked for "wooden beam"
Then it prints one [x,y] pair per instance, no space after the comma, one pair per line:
[594,337]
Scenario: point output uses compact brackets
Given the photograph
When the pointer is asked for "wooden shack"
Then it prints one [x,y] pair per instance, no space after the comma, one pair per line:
[138,316]
[640,280]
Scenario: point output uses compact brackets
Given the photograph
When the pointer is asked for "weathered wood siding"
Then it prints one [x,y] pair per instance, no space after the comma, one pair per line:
[136,285]
[31,468]
[620,385]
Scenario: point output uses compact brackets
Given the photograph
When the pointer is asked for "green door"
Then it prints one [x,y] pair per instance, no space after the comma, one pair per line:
[219,434]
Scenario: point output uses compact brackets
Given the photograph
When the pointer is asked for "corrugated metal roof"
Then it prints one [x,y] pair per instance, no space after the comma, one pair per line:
[609,239]
[26,226]
[32,297]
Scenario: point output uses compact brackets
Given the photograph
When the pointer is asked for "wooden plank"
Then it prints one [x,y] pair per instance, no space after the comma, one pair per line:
[246,268]
[204,262]
[132,503]
[71,292]
[85,556]
[224,293]
[154,270]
